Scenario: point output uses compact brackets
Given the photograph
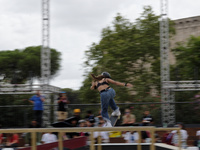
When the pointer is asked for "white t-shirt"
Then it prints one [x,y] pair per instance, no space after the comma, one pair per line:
[131,138]
[49,138]
[104,136]
[184,137]
[198,133]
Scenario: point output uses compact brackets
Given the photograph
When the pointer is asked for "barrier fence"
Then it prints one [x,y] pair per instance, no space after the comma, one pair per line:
[20,116]
[60,132]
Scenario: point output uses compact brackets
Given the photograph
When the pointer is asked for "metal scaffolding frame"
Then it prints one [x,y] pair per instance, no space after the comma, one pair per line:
[168,88]
[193,85]
[27,89]
[45,56]
[168,117]
[45,63]
[44,86]
[45,50]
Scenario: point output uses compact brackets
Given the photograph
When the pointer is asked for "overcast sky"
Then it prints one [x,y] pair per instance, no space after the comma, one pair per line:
[74,26]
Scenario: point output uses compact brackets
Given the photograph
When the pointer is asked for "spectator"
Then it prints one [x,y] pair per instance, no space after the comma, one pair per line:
[34,124]
[48,138]
[197,141]
[74,123]
[96,118]
[147,119]
[128,119]
[1,138]
[62,101]
[167,138]
[131,137]
[12,140]
[184,136]
[91,123]
[64,136]
[82,123]
[104,135]
[145,136]
[37,100]
[157,138]
[89,115]
[76,115]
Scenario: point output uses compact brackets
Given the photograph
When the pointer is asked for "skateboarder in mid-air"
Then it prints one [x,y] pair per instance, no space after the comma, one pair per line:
[107,94]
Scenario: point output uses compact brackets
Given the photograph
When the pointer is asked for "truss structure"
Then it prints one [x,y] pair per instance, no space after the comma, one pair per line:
[27,89]
[45,50]
[168,115]
[168,88]
[45,57]
[193,85]
[44,87]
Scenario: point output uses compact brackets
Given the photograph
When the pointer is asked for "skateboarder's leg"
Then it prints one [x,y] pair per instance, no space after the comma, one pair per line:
[104,108]
[104,105]
[113,104]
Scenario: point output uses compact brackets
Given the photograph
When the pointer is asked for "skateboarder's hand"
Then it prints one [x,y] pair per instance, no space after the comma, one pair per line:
[129,85]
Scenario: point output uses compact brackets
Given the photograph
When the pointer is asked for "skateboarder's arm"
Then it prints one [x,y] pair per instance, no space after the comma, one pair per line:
[118,83]
[93,86]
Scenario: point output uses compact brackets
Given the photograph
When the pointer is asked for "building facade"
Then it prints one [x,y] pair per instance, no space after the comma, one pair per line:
[185,28]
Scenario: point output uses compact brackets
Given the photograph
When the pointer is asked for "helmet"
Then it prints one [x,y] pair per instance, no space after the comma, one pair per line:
[77,110]
[106,74]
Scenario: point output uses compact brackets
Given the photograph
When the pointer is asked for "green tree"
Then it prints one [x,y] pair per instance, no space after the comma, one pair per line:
[187,57]
[18,65]
[130,53]
[72,95]
[186,68]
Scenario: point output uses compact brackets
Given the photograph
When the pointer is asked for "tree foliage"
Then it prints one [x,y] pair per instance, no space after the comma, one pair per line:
[130,53]
[188,62]
[72,95]
[187,68]
[19,65]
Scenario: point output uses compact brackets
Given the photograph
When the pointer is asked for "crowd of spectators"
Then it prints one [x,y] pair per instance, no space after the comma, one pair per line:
[90,120]
[129,119]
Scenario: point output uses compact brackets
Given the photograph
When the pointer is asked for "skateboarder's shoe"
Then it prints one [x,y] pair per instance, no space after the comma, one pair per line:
[116,112]
[107,123]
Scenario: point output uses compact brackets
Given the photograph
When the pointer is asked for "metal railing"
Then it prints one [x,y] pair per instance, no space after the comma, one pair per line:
[33,132]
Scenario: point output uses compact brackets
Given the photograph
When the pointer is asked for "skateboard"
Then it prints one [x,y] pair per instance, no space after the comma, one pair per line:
[113,120]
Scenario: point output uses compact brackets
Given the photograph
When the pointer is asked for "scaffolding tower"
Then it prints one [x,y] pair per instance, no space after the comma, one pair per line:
[168,110]
[44,87]
[168,88]
[45,50]
[45,58]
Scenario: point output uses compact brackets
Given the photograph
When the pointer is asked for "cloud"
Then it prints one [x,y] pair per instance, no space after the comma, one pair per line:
[74,26]
[21,6]
[183,9]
